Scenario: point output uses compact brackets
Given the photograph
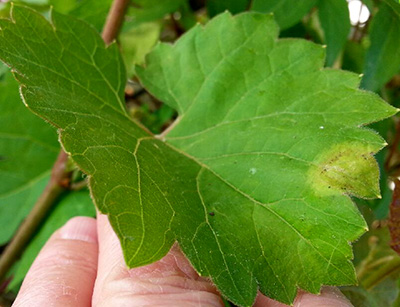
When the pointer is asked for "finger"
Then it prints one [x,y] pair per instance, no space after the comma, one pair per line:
[63,274]
[329,297]
[168,282]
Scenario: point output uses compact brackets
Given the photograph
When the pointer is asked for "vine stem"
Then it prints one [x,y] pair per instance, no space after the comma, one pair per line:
[114,20]
[60,177]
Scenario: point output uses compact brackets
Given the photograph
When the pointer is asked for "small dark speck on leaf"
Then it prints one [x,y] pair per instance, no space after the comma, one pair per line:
[211,213]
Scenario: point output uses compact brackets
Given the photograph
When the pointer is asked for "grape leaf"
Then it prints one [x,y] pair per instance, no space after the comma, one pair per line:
[253,178]
[287,12]
[72,204]
[382,60]
[28,148]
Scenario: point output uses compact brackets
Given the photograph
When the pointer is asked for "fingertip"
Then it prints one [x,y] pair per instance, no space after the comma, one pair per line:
[79,228]
[329,297]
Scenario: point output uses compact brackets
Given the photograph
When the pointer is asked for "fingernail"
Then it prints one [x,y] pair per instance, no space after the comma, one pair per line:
[80,228]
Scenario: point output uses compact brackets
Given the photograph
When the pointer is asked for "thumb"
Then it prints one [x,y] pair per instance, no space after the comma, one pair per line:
[329,297]
[170,281]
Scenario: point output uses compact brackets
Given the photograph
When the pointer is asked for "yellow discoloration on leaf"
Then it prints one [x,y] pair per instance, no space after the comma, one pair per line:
[348,167]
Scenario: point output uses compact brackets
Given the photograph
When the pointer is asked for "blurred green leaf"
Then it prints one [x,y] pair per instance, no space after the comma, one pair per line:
[383,295]
[215,7]
[150,10]
[370,4]
[188,18]
[382,61]
[287,12]
[394,4]
[93,11]
[73,204]
[380,207]
[65,6]
[298,30]
[353,57]
[136,42]
[28,149]
[335,21]
[156,120]
[372,252]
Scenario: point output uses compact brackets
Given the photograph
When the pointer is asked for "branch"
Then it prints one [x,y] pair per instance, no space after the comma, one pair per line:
[114,20]
[59,177]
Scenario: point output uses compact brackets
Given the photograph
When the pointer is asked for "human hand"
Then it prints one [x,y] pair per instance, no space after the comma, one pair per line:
[82,265]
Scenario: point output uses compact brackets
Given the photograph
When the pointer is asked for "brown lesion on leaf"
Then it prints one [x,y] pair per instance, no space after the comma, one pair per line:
[349,168]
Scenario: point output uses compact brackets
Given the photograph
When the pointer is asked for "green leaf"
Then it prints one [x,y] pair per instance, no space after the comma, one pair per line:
[353,57]
[65,6]
[28,148]
[251,180]
[335,21]
[137,42]
[150,10]
[394,4]
[382,60]
[384,294]
[215,7]
[372,252]
[73,204]
[287,12]
[370,4]
[92,11]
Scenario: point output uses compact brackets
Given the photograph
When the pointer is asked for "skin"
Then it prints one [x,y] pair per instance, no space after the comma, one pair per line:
[82,265]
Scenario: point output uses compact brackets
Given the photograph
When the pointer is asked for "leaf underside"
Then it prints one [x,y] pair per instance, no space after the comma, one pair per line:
[253,178]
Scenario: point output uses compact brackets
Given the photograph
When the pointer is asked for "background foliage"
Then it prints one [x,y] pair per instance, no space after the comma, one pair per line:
[367,43]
